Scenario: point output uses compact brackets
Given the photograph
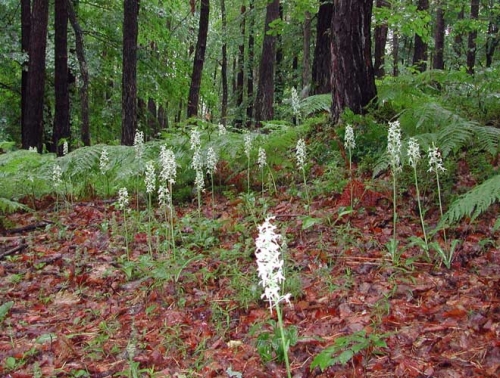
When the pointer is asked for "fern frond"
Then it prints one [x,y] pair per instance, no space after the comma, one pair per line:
[474,202]
[7,206]
[316,103]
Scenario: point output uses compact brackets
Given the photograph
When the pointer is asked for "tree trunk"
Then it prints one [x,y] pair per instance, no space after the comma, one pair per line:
[420,50]
[353,80]
[279,75]
[395,54]
[152,117]
[225,95]
[84,72]
[471,42]
[32,130]
[438,61]
[380,42]
[458,40]
[306,57]
[129,71]
[322,62]
[25,40]
[491,41]
[199,59]
[250,60]
[265,91]
[240,76]
[61,122]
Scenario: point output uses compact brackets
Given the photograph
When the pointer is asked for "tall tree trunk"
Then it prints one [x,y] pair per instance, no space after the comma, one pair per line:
[240,76]
[265,91]
[420,50]
[84,73]
[25,40]
[61,121]
[458,40]
[471,42]
[223,113]
[250,61]
[152,117]
[353,80]
[199,59]
[32,130]
[279,69]
[395,54]
[439,32]
[380,42]
[306,57]
[322,62]
[129,71]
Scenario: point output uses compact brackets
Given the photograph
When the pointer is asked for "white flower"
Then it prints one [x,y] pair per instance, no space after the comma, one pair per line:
[262,159]
[168,165]
[349,141]
[32,149]
[195,139]
[247,138]
[139,144]
[150,177]
[301,153]
[394,145]
[211,161]
[270,263]
[163,196]
[199,180]
[104,161]
[122,198]
[295,101]
[413,152]
[222,129]
[435,160]
[57,174]
[65,148]
[197,162]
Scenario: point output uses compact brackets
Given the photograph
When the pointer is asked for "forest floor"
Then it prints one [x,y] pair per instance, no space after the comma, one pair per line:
[72,305]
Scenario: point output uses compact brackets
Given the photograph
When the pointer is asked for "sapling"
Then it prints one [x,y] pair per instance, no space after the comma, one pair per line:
[270,270]
[413,158]
[394,151]
[350,144]
[301,156]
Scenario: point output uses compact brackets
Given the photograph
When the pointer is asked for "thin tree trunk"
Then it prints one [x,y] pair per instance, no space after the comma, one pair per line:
[199,59]
[420,50]
[279,75]
[240,76]
[471,42]
[225,94]
[129,71]
[25,40]
[395,54]
[381,31]
[353,79]
[458,40]
[438,61]
[306,57]
[250,61]
[491,42]
[265,91]
[61,123]
[84,72]
[322,61]
[32,132]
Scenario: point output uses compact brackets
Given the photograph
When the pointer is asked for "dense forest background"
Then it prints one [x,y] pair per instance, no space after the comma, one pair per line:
[157,63]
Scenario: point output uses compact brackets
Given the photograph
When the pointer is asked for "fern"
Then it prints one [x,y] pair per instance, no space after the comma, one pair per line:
[474,202]
[316,103]
[7,206]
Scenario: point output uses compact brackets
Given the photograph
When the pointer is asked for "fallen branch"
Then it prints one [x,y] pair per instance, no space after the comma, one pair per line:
[20,247]
[29,227]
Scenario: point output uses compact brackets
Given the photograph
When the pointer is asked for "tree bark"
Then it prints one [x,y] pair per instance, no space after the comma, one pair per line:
[240,76]
[250,61]
[199,59]
[25,40]
[61,121]
[32,130]
[129,71]
[420,50]
[491,41]
[225,94]
[84,72]
[381,31]
[306,57]
[471,42]
[322,61]
[353,80]
[438,61]
[265,91]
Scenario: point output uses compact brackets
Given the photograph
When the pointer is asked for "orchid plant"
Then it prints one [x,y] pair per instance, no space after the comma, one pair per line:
[211,169]
[350,144]
[167,178]
[247,142]
[123,202]
[150,182]
[394,151]
[301,156]
[270,270]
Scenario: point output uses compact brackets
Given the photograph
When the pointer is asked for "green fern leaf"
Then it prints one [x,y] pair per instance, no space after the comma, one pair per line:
[7,206]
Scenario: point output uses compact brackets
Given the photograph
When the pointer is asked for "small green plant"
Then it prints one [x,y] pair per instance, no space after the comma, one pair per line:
[346,347]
